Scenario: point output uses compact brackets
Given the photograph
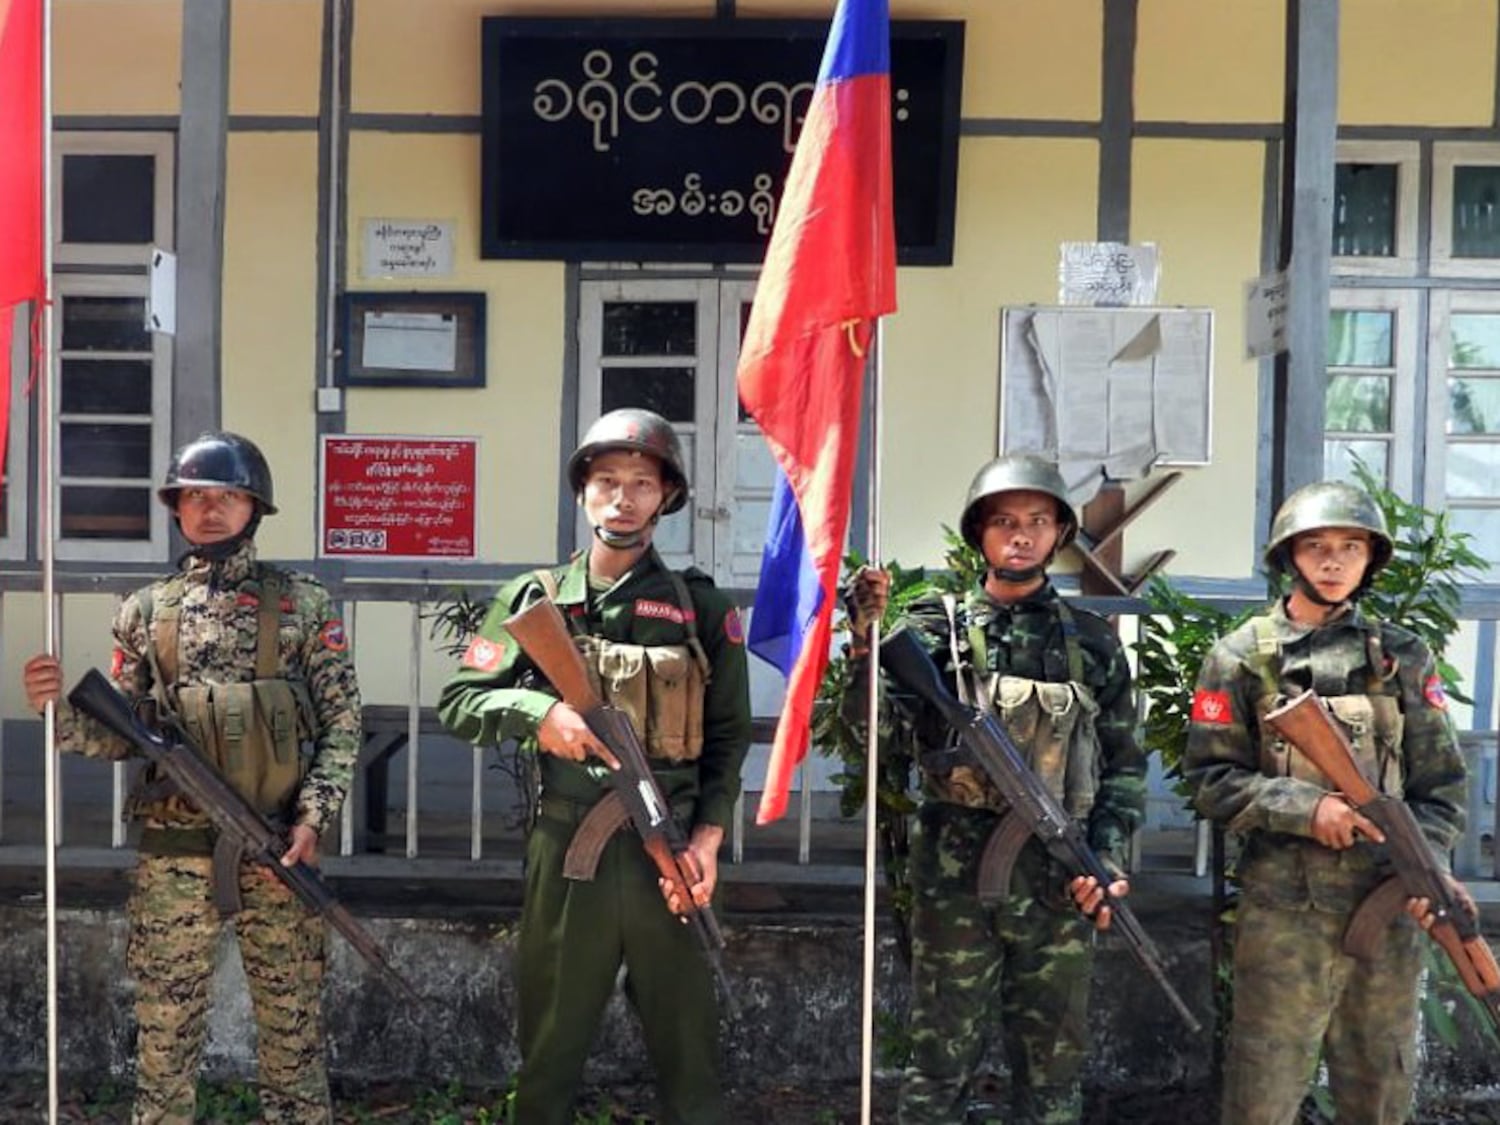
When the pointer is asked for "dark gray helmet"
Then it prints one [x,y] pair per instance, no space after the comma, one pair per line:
[219,459]
[638,431]
[1329,503]
[1018,472]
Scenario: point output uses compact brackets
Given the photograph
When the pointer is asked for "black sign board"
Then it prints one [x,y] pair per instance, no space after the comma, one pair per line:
[669,140]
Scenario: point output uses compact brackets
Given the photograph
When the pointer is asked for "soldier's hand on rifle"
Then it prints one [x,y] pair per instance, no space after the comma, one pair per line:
[1337,824]
[303,847]
[564,733]
[702,856]
[1088,896]
[43,677]
[1421,908]
[869,593]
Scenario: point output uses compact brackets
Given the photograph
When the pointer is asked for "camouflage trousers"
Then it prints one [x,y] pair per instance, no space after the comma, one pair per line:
[1031,956]
[174,931]
[1296,991]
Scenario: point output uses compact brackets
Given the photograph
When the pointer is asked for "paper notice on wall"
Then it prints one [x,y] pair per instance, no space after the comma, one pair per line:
[410,341]
[1107,274]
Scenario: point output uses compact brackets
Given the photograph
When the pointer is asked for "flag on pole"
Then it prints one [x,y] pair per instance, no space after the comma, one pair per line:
[21,263]
[829,273]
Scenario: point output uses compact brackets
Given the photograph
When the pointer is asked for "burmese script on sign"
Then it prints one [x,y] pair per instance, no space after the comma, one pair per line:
[398,497]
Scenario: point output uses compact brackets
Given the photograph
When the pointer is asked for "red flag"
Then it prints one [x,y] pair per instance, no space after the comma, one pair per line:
[829,273]
[21,262]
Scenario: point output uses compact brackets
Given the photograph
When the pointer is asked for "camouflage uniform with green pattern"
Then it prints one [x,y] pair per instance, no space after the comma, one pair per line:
[1295,989]
[1032,954]
[174,923]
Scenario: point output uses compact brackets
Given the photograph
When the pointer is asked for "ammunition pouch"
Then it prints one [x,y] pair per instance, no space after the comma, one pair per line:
[661,689]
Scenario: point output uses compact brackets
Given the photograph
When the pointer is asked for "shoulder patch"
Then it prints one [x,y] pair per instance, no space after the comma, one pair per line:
[1212,707]
[116,663]
[734,629]
[484,655]
[664,611]
[247,599]
[333,636]
[1432,691]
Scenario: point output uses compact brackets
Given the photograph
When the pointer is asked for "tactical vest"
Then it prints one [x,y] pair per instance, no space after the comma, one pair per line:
[1052,723]
[661,687]
[251,732]
[1373,721]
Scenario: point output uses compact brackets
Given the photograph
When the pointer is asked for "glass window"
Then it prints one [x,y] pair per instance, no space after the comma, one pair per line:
[650,328]
[1364,210]
[667,390]
[1483,525]
[1358,403]
[1340,456]
[1474,406]
[1476,211]
[1359,338]
[1472,470]
[1474,340]
[109,199]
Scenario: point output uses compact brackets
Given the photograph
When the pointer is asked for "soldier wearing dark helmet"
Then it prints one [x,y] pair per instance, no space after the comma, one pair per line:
[251,662]
[1308,858]
[1056,676]
[668,650]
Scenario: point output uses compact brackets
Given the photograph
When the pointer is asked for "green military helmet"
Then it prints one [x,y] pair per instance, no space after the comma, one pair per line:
[1328,503]
[1018,472]
[639,431]
[220,459]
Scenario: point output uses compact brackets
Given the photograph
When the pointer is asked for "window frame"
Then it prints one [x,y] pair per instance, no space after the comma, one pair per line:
[18,483]
[1446,302]
[1446,156]
[1407,157]
[1406,351]
[162,147]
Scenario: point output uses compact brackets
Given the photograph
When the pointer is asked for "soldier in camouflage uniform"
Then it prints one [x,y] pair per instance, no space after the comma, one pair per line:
[667,648]
[252,662]
[1306,860]
[1057,678]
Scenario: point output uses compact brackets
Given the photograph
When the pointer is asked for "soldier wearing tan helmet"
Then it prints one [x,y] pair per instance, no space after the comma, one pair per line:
[1308,857]
[669,651]
[251,660]
[1056,676]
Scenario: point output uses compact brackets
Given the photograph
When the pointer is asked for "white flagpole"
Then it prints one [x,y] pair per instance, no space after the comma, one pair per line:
[872,739]
[44,525]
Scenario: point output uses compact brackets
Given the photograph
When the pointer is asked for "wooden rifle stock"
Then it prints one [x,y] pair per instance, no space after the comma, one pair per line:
[634,793]
[1306,724]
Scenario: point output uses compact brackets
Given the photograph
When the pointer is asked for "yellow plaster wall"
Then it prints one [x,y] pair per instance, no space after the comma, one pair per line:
[516,414]
[116,56]
[1418,62]
[288,32]
[270,325]
[1210,60]
[1199,201]
[1018,198]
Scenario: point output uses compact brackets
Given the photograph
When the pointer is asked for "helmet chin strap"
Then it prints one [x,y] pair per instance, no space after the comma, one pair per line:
[1310,592]
[1019,577]
[631,539]
[222,549]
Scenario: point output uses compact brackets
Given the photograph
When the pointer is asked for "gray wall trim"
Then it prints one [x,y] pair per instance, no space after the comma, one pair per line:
[416,122]
[201,163]
[1208,131]
[269,123]
[1306,241]
[1118,104]
[1270,210]
[101,122]
[568,432]
[1026,127]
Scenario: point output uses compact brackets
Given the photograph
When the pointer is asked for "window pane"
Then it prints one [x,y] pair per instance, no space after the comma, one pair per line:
[1473,469]
[1339,455]
[667,390]
[108,198]
[1360,339]
[91,512]
[1358,403]
[106,386]
[1476,211]
[114,324]
[1364,210]
[89,450]
[1483,524]
[754,464]
[751,519]
[1474,406]
[1475,340]
[645,328]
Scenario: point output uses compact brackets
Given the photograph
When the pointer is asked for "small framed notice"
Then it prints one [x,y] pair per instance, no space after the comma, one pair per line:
[412,339]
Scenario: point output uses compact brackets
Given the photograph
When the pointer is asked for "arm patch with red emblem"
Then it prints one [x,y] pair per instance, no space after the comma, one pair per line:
[734,629]
[1432,691]
[484,655]
[333,636]
[116,663]
[1212,707]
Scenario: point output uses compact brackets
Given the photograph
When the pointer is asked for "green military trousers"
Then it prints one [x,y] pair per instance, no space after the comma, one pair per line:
[574,937]
[1295,990]
[174,936]
[1028,960]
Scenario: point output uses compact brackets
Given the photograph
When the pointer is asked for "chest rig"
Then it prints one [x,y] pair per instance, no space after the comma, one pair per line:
[1371,718]
[251,732]
[1051,721]
[661,687]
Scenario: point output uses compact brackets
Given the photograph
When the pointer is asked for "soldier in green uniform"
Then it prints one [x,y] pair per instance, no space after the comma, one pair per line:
[251,661]
[1056,676]
[1307,861]
[666,647]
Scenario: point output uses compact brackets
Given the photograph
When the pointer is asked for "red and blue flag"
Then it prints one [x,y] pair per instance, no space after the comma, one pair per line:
[829,274]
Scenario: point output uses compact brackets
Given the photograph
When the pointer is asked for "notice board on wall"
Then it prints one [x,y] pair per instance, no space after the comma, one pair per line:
[1107,392]
[388,497]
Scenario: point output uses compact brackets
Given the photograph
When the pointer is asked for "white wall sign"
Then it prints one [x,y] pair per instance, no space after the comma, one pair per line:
[1265,315]
[1107,274]
[407,248]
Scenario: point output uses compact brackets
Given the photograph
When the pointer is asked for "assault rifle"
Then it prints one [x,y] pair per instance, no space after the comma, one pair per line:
[1306,724]
[634,795]
[241,831]
[1033,810]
